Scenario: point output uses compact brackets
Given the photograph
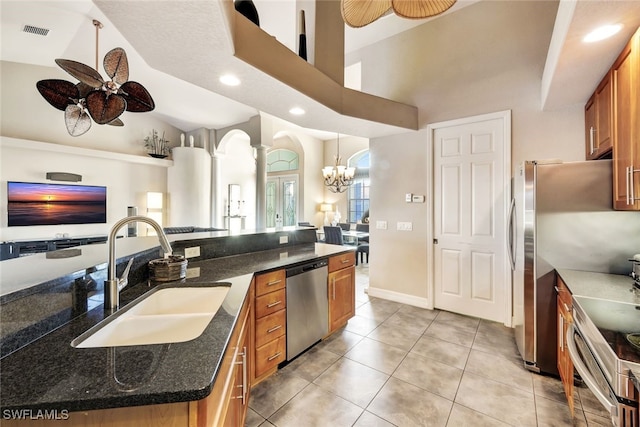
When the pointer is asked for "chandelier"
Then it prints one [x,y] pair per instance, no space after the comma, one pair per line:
[338,178]
[94,98]
[358,13]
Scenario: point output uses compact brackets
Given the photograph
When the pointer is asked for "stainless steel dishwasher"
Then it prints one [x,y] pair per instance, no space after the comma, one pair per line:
[307,306]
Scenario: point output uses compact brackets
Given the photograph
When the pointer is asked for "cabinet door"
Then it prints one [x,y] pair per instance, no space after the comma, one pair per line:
[626,128]
[604,111]
[590,128]
[565,365]
[342,303]
[240,394]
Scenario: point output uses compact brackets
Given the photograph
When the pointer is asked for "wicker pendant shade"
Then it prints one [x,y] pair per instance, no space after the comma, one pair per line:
[358,13]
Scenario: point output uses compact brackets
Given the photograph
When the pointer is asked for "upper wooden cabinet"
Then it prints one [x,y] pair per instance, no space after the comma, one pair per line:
[598,115]
[625,78]
[612,125]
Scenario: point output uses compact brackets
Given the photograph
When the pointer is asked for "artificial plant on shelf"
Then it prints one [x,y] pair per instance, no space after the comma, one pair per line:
[157,146]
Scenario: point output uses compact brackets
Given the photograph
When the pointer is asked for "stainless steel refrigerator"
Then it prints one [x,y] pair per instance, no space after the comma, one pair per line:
[561,217]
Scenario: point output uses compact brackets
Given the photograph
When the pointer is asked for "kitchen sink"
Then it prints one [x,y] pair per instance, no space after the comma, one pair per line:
[168,315]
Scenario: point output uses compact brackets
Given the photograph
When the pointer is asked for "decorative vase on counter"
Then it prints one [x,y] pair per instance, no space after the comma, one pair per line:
[248,9]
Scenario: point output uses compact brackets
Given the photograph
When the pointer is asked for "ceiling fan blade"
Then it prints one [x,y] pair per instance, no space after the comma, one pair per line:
[58,93]
[84,89]
[358,13]
[82,72]
[105,108]
[116,65]
[419,9]
[77,120]
[138,98]
[116,122]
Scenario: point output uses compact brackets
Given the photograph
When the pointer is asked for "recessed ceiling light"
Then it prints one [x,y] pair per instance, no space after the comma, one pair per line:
[297,111]
[602,33]
[229,80]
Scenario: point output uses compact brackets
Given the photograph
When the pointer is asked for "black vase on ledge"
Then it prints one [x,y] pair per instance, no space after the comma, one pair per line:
[248,9]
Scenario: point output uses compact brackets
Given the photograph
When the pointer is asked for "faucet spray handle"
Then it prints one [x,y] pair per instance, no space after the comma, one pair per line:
[124,280]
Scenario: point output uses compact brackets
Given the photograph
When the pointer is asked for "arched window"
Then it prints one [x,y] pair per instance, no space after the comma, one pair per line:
[282,160]
[358,195]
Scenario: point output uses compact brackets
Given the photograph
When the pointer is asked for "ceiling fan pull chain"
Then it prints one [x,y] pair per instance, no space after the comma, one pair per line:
[98,26]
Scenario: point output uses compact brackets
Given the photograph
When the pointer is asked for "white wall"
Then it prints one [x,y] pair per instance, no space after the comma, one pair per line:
[238,166]
[126,179]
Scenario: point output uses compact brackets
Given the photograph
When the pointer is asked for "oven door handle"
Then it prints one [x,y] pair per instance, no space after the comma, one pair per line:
[582,369]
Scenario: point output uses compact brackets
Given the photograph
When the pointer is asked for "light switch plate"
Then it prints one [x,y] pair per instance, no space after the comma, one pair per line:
[408,197]
[192,252]
[418,199]
[284,239]
[404,226]
[381,225]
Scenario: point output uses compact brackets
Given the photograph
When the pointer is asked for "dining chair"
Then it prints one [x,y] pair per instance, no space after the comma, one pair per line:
[333,235]
[365,229]
[345,226]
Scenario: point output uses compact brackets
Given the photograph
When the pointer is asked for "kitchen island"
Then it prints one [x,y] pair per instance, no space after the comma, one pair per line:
[49,374]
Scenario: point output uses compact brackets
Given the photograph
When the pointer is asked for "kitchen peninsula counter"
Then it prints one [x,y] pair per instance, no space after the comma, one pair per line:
[50,374]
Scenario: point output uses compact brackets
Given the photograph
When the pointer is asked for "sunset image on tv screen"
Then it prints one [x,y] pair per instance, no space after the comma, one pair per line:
[55,204]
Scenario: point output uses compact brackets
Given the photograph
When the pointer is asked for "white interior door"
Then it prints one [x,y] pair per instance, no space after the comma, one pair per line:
[471,196]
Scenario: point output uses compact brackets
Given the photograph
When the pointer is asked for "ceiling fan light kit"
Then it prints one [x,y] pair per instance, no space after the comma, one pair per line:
[94,98]
[358,13]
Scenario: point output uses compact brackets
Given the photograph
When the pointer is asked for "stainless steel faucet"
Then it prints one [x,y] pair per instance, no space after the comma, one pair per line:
[113,285]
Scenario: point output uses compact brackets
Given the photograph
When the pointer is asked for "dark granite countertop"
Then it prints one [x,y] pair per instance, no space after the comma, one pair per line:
[51,374]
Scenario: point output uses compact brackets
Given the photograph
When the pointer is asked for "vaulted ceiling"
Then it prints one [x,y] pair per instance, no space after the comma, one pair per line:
[178,49]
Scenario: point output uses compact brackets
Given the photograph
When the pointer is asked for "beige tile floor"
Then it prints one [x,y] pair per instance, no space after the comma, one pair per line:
[398,365]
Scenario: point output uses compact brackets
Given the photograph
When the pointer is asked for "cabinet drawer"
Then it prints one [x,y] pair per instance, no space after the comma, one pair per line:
[269,355]
[339,262]
[270,303]
[271,327]
[269,282]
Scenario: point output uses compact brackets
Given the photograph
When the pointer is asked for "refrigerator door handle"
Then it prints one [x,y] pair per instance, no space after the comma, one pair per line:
[511,235]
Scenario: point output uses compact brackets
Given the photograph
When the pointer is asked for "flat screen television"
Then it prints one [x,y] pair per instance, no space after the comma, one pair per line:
[30,203]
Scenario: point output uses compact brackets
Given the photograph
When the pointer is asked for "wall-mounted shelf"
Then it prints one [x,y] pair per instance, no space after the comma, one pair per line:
[7,142]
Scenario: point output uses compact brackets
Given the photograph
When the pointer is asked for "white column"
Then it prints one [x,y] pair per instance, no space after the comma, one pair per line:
[261,187]
[217,193]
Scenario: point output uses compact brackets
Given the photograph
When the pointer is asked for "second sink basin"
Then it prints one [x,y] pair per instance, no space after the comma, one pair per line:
[167,315]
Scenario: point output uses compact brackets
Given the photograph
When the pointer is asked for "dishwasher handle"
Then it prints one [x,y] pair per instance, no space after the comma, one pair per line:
[304,268]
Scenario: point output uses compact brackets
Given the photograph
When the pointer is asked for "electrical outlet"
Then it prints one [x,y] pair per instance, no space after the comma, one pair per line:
[381,225]
[284,239]
[404,226]
[408,197]
[192,252]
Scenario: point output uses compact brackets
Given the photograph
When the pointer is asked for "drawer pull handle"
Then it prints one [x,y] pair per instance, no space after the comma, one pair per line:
[275,282]
[275,328]
[273,304]
[275,356]
[344,261]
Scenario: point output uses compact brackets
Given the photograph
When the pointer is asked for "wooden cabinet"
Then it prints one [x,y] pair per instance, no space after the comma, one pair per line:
[341,288]
[270,324]
[625,76]
[565,365]
[598,116]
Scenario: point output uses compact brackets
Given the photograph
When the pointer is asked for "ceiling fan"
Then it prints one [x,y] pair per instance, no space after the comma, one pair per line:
[94,98]
[358,13]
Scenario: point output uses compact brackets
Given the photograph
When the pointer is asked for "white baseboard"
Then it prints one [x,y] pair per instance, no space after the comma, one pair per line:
[398,297]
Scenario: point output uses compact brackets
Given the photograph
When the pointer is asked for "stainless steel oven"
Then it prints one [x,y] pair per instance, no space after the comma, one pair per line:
[602,353]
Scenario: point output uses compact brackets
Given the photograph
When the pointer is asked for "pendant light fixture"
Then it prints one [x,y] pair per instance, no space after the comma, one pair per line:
[338,178]
[92,97]
[358,13]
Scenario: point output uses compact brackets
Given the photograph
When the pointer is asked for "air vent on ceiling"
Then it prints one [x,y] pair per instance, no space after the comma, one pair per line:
[35,30]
